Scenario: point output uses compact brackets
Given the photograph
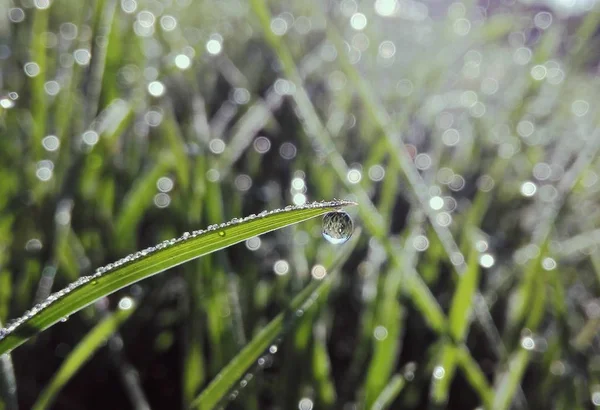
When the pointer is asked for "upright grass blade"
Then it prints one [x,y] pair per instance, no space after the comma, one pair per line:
[220,386]
[389,319]
[459,320]
[152,261]
[83,352]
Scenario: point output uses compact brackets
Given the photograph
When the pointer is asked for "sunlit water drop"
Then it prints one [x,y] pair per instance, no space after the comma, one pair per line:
[337,227]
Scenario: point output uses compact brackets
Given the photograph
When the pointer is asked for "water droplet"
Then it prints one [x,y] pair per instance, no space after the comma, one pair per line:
[439,372]
[337,227]
[221,233]
[64,319]
[528,343]
[94,282]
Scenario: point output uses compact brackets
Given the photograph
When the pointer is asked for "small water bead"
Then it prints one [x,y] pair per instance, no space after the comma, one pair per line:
[162,200]
[549,263]
[420,243]
[214,46]
[183,62]
[528,189]
[528,343]
[6,103]
[457,258]
[16,15]
[542,20]
[305,404]
[376,173]
[596,398]
[439,372]
[380,333]
[358,21]
[318,272]
[31,68]
[281,267]
[299,199]
[486,260]
[443,219]
[436,203]
[82,56]
[337,227]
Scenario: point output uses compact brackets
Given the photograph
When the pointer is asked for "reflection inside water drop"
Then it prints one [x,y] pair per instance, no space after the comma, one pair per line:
[337,227]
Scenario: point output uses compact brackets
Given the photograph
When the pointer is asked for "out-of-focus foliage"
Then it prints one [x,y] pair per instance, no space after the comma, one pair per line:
[466,131]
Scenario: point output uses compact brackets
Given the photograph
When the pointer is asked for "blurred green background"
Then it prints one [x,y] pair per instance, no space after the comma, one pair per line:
[466,131]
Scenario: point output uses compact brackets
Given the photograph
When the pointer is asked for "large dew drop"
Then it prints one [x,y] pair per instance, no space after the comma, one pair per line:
[337,227]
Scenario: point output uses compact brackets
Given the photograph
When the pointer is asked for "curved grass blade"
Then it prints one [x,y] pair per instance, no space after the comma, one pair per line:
[225,380]
[83,352]
[152,261]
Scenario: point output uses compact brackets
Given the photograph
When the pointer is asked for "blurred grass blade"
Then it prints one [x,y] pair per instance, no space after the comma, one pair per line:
[462,301]
[137,200]
[459,317]
[474,375]
[8,384]
[510,380]
[220,386]
[82,353]
[152,261]
[389,321]
[389,393]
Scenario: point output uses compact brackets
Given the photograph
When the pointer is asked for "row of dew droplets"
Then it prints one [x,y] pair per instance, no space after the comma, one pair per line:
[263,362]
[267,359]
[101,271]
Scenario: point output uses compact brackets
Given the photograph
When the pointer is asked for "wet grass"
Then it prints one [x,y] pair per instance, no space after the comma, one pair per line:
[468,135]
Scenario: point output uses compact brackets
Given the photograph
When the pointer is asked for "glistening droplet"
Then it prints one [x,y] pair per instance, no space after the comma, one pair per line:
[221,233]
[337,227]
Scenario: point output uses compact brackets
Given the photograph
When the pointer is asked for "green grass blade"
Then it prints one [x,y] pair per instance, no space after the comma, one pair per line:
[462,301]
[224,381]
[459,319]
[389,393]
[152,261]
[137,200]
[510,380]
[474,375]
[82,353]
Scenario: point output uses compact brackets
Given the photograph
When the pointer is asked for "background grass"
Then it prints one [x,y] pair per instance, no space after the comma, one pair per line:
[466,131]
